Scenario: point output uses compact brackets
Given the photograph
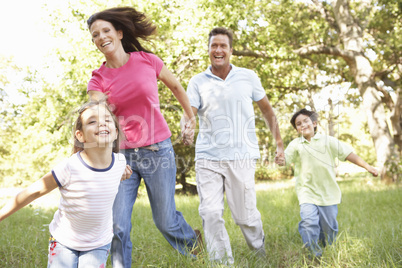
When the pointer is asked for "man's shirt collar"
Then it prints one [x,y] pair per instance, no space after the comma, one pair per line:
[232,70]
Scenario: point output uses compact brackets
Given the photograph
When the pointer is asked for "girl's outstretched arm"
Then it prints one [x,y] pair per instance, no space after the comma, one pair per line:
[355,159]
[41,187]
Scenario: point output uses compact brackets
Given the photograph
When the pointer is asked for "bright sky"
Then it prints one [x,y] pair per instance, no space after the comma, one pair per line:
[24,34]
[25,38]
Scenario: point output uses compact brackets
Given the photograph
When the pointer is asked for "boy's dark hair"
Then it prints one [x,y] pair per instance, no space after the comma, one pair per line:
[221,30]
[313,116]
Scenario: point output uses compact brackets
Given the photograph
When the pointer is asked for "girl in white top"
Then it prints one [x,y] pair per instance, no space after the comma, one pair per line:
[81,229]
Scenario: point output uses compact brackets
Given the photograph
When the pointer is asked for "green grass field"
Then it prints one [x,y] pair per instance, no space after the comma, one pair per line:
[370,231]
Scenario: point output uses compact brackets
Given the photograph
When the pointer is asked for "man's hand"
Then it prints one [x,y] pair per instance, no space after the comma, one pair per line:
[127,173]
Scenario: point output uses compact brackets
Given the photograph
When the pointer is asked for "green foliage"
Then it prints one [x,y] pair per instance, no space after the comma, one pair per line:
[385,29]
[395,169]
[37,134]
[263,173]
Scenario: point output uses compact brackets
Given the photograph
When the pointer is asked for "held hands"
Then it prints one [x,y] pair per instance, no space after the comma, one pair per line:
[187,127]
[280,156]
[127,173]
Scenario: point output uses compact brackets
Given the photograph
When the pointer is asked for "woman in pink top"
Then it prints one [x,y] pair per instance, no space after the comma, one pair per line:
[129,79]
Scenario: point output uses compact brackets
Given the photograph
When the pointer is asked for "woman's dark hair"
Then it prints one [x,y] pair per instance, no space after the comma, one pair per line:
[221,30]
[313,116]
[134,25]
[79,146]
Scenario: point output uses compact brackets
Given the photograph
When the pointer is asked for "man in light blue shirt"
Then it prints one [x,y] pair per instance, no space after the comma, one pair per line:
[227,146]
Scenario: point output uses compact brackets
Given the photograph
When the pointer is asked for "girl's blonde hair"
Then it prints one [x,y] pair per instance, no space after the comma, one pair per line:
[79,146]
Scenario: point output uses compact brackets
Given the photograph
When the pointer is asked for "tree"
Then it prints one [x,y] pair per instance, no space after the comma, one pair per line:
[351,47]
[296,47]
[352,30]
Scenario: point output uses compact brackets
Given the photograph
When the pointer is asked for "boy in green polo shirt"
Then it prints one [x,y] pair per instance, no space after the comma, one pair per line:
[313,156]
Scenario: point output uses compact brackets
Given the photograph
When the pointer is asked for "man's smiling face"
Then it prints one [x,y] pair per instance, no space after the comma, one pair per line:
[219,51]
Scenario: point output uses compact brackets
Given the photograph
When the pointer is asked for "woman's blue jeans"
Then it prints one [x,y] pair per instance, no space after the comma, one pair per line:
[157,166]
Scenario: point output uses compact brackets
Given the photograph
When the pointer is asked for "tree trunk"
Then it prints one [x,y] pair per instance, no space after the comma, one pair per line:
[376,118]
[331,130]
[396,120]
[351,35]
[183,182]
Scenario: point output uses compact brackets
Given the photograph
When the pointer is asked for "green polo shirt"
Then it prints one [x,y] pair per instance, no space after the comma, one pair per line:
[315,168]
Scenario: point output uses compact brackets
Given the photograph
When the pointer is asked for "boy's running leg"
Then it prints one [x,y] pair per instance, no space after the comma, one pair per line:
[328,223]
[309,228]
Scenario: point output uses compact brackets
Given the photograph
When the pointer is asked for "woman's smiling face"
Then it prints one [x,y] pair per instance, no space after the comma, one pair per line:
[106,38]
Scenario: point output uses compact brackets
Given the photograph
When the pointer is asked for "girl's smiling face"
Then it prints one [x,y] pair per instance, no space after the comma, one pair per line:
[305,126]
[98,128]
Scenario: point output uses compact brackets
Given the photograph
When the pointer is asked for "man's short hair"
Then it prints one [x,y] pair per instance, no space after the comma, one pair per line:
[221,30]
[313,116]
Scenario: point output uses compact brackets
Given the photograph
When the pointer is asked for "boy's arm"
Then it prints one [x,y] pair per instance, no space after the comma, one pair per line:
[41,187]
[355,159]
